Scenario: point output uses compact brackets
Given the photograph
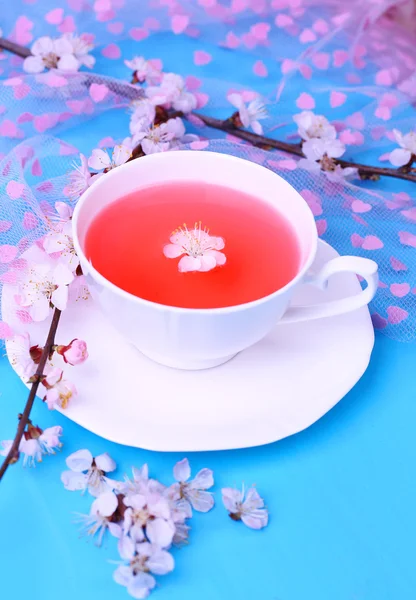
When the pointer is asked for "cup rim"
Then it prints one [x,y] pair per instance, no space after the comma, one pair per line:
[99,278]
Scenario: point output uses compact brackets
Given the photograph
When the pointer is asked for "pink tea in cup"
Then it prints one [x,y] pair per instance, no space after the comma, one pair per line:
[236,247]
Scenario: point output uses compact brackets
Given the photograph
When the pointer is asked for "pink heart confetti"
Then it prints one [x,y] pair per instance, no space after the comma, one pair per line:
[400,289]
[383,112]
[306,71]
[55,81]
[199,145]
[5,331]
[260,69]
[14,189]
[337,99]
[321,226]
[23,29]
[359,206]
[372,242]
[98,91]
[201,99]
[116,28]
[384,77]
[67,25]
[202,58]
[232,41]
[21,91]
[5,226]
[356,240]
[379,322]
[7,253]
[36,168]
[305,101]
[260,31]
[356,120]
[407,239]
[288,65]
[339,58]
[179,23]
[397,265]
[396,315]
[43,122]
[282,20]
[29,221]
[9,129]
[112,51]
[321,60]
[320,26]
[307,36]
[55,16]
[152,23]
[138,33]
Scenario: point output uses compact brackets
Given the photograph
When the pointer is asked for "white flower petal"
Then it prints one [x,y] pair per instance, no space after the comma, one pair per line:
[33,64]
[399,137]
[68,63]
[136,501]
[40,309]
[60,297]
[160,562]
[256,127]
[256,519]
[74,481]
[313,149]
[309,165]
[122,575]
[236,100]
[105,463]
[200,501]
[203,480]
[99,159]
[231,499]
[399,157]
[105,505]
[172,250]
[121,154]
[160,532]
[334,148]
[62,275]
[140,585]
[208,262]
[126,547]
[43,45]
[253,500]
[79,461]
[220,257]
[182,470]
[189,263]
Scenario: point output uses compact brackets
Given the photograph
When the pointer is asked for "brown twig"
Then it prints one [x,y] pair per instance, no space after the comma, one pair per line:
[365,171]
[261,141]
[14,48]
[13,452]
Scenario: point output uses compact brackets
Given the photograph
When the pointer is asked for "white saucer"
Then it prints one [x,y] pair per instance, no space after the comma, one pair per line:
[278,387]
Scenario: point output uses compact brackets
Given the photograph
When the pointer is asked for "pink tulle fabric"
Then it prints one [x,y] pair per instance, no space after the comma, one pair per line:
[353,62]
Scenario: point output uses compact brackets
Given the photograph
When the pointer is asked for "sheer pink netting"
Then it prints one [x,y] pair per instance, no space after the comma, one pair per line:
[354,63]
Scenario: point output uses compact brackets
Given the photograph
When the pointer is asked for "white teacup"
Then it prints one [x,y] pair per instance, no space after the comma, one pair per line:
[186,338]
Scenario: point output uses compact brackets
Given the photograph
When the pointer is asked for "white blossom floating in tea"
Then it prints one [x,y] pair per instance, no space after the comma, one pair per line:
[200,250]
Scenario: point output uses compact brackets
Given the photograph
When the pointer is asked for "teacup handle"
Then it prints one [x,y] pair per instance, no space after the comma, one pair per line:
[342,264]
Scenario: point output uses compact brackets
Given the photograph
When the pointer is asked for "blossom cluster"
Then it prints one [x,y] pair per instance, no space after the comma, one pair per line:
[321,146]
[66,53]
[34,444]
[147,517]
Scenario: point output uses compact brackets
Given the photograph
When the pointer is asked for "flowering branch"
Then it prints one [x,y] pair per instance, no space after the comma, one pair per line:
[24,418]
[144,70]
[365,171]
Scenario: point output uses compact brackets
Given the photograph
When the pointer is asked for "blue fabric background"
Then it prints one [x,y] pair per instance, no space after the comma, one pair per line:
[341,494]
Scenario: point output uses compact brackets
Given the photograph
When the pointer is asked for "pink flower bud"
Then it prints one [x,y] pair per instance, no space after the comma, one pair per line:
[75,353]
